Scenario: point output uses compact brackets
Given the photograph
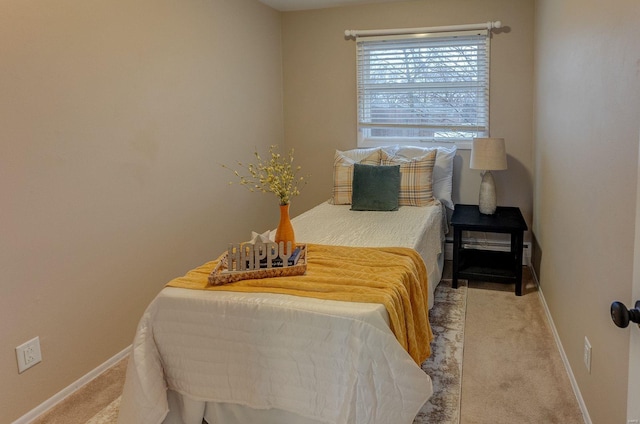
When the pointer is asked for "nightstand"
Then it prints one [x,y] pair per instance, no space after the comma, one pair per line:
[488,265]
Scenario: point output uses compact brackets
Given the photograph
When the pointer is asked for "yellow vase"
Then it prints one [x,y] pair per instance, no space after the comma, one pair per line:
[285,232]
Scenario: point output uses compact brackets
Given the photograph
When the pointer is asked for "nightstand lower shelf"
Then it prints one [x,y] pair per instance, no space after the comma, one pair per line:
[487,265]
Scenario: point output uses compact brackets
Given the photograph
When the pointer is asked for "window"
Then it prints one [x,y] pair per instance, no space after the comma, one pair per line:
[423,88]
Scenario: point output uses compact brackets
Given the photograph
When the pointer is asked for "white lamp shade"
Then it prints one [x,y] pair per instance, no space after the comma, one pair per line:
[488,154]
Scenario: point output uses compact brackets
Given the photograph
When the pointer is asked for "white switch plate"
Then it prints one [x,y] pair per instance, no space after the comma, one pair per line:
[587,354]
[28,354]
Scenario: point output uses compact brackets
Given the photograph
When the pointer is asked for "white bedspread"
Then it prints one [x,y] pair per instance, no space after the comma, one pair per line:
[228,356]
[334,362]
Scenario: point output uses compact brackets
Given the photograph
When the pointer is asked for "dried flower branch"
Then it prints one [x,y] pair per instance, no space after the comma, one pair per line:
[277,175]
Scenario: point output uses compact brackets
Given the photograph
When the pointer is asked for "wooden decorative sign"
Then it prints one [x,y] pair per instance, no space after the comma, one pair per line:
[260,255]
[260,260]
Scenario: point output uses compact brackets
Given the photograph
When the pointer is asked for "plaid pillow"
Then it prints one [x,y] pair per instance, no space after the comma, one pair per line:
[343,175]
[442,170]
[416,184]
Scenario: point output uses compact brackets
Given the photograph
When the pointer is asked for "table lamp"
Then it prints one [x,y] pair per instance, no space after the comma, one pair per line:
[488,154]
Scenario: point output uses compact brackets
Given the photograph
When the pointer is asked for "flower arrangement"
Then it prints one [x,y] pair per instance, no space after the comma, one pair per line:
[276,175]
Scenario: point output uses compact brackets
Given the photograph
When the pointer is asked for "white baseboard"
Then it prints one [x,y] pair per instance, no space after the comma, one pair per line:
[72,388]
[563,355]
[502,246]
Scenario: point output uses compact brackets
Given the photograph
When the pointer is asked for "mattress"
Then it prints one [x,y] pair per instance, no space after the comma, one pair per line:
[421,228]
[235,358]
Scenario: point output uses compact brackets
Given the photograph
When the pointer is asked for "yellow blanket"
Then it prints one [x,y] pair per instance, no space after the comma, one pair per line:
[395,277]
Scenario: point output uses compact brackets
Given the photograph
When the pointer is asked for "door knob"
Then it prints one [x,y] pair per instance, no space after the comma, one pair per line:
[621,316]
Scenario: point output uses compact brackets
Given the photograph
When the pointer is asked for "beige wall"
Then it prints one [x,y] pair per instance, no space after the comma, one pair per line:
[586,151]
[320,91]
[114,117]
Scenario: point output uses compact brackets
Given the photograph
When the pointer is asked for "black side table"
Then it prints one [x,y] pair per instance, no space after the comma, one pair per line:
[487,265]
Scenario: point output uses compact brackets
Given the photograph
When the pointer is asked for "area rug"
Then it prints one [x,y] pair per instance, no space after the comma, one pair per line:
[447,319]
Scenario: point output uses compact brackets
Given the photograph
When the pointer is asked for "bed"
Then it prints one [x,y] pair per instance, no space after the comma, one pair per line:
[270,358]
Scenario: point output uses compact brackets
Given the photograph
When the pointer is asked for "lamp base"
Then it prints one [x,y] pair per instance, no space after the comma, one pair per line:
[487,200]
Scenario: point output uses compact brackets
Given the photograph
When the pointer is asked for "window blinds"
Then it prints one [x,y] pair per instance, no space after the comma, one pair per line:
[423,87]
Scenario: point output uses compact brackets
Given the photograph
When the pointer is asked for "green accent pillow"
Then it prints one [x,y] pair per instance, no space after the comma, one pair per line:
[375,188]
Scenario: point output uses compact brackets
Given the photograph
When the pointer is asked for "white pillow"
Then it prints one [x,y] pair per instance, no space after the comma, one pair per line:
[357,155]
[442,171]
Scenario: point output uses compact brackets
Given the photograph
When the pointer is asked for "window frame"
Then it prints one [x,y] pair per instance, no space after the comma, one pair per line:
[365,140]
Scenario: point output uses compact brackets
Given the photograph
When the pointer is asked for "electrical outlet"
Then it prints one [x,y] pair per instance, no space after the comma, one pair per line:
[587,354]
[28,354]
[633,422]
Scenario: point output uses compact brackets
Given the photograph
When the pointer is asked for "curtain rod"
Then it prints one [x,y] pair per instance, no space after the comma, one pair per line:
[397,31]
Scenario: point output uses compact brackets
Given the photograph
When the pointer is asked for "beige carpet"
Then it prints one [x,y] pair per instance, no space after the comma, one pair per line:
[93,399]
[512,371]
[109,415]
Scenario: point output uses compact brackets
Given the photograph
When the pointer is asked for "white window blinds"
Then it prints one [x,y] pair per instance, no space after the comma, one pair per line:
[423,87]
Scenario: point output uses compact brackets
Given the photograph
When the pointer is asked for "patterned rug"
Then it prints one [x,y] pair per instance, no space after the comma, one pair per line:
[447,319]
[444,366]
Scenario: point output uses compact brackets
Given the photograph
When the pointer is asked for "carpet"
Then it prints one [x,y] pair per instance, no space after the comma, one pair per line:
[513,370]
[109,415]
[447,318]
